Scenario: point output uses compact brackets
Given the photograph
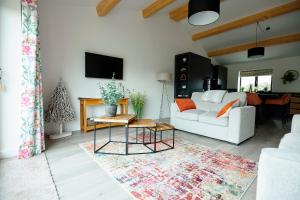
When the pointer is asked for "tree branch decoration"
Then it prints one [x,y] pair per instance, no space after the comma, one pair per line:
[290,76]
[60,109]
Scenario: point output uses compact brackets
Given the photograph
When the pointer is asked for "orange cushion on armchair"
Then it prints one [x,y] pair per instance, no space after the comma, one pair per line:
[185,104]
[253,99]
[285,99]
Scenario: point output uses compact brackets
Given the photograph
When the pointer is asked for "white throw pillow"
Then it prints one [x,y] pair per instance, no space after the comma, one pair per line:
[215,96]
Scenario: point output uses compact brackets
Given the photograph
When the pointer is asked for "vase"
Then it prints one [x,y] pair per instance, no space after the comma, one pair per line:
[138,113]
[111,110]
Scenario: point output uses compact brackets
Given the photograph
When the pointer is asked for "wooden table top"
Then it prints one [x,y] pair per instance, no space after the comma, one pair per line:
[162,127]
[142,123]
[124,119]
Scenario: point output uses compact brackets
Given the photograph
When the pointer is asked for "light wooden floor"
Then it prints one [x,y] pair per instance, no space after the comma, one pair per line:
[78,177]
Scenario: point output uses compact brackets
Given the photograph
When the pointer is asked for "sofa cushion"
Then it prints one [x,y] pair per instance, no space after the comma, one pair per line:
[191,114]
[235,95]
[196,97]
[185,104]
[210,118]
[290,141]
[208,106]
[214,96]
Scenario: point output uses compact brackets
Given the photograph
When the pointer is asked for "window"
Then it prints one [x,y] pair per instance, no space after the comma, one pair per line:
[255,80]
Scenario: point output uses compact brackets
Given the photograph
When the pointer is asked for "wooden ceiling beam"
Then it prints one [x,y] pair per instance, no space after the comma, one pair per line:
[266,14]
[263,43]
[105,6]
[179,13]
[155,7]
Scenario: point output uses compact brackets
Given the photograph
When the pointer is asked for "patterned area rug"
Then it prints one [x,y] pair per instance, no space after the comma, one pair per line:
[189,171]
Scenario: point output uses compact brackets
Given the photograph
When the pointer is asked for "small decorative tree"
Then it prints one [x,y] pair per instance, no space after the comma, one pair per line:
[60,110]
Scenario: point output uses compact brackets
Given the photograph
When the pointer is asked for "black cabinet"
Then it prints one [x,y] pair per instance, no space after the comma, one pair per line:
[219,78]
[190,72]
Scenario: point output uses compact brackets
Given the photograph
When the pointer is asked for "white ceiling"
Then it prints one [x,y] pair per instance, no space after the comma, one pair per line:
[234,9]
[230,10]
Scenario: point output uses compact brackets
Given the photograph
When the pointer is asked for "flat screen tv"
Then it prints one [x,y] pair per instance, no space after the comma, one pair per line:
[101,66]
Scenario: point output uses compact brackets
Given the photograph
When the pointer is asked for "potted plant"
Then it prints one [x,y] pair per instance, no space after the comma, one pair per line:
[290,76]
[111,93]
[138,101]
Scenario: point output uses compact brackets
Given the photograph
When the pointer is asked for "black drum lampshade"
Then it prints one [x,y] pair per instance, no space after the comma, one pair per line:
[202,12]
[256,52]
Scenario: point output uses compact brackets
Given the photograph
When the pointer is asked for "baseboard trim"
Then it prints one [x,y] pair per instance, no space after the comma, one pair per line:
[8,153]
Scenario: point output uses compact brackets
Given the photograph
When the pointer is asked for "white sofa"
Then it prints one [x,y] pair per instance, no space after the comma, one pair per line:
[279,168]
[236,128]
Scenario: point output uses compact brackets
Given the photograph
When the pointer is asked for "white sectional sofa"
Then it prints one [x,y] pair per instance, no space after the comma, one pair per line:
[279,168]
[235,128]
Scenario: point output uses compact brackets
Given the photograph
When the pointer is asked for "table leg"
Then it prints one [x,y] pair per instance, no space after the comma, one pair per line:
[173,138]
[160,135]
[94,136]
[136,135]
[126,140]
[110,132]
[143,135]
[154,141]
[122,109]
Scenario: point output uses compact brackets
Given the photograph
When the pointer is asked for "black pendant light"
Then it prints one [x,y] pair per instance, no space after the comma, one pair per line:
[202,12]
[256,52]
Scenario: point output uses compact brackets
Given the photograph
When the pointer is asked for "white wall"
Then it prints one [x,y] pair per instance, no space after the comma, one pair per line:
[279,66]
[10,61]
[147,46]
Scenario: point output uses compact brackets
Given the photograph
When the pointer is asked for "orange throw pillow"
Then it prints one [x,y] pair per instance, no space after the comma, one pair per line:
[185,104]
[224,112]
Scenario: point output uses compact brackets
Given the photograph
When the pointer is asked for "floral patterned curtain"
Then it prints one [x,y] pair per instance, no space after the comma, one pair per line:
[32,119]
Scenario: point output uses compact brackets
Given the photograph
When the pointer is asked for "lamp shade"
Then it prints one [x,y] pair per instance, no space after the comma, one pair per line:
[202,12]
[164,76]
[256,52]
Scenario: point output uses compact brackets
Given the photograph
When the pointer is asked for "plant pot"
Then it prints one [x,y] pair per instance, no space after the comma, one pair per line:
[111,110]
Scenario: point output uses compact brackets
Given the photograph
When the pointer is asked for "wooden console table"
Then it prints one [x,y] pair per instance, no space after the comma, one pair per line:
[85,102]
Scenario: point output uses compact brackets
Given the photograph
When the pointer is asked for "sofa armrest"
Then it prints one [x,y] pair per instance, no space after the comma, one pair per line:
[296,124]
[173,110]
[241,124]
[278,175]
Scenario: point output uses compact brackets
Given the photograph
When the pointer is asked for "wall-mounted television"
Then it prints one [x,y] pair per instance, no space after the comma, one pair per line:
[101,66]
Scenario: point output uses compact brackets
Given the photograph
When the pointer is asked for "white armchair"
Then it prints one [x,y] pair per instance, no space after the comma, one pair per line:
[279,169]
[296,124]
[278,175]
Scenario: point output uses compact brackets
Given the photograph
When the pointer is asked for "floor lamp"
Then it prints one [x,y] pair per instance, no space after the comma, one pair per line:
[163,78]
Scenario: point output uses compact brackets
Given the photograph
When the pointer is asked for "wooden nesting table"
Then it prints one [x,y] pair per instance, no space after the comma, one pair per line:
[129,121]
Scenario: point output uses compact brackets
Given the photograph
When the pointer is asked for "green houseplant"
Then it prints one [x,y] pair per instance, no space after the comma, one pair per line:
[290,76]
[138,101]
[111,93]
